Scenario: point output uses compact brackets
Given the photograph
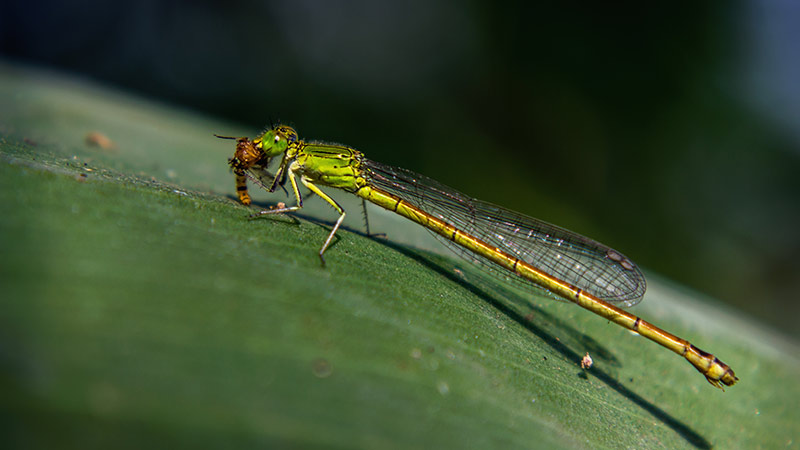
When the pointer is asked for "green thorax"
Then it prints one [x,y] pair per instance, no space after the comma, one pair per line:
[328,165]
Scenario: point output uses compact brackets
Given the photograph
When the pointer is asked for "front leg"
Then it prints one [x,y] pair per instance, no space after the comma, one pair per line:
[280,175]
[297,196]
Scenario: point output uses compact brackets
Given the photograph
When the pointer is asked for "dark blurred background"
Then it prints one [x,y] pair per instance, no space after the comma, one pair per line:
[671,132]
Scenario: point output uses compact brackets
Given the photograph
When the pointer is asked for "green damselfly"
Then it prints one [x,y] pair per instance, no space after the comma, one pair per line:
[568,265]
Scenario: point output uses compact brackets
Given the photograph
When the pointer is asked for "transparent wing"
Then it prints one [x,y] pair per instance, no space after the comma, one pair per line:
[578,260]
[260,176]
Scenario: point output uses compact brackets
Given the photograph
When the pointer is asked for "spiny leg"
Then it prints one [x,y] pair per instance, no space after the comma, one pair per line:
[366,221]
[335,205]
[366,217]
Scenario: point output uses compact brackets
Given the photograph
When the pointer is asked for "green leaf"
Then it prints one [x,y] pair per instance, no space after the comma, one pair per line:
[141,306]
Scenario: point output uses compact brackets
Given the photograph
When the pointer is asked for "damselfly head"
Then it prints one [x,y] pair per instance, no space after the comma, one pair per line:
[276,140]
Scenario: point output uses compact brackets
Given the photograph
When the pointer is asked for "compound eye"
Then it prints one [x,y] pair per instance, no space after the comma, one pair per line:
[289,134]
[277,139]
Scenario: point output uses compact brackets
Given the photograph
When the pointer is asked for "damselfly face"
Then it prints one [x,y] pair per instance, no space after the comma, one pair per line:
[275,141]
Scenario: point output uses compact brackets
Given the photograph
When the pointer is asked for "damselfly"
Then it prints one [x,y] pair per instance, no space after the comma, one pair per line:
[568,265]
